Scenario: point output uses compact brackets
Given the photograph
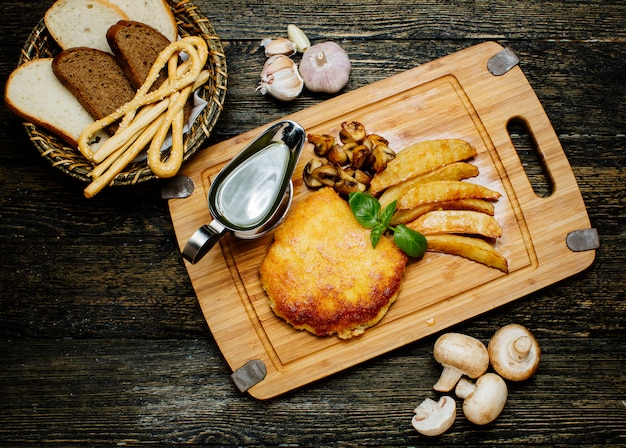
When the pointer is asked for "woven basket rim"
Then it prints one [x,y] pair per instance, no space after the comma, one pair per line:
[190,21]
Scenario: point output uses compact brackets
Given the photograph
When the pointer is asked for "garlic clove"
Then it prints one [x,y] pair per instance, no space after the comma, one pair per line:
[274,64]
[325,67]
[280,78]
[297,36]
[281,45]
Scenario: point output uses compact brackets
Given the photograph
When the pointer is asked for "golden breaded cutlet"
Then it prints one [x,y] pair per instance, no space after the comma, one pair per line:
[321,273]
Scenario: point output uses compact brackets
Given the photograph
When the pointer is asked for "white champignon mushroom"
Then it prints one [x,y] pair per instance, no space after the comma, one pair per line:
[484,400]
[514,352]
[459,354]
[433,418]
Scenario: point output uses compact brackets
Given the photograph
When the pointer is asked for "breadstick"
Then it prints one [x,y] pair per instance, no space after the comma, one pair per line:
[121,162]
[106,163]
[173,117]
[153,111]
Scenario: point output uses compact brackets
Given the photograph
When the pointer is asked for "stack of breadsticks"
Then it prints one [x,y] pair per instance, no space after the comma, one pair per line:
[147,119]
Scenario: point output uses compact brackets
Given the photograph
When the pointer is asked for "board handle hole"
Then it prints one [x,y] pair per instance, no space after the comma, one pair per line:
[530,156]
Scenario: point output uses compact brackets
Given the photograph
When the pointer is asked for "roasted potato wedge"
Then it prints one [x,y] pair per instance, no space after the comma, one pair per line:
[478,205]
[453,171]
[421,158]
[474,249]
[466,222]
[442,191]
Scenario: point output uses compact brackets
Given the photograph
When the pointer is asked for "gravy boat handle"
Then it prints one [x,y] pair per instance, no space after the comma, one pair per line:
[203,240]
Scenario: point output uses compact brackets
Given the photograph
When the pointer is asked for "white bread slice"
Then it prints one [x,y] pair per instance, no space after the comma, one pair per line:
[82,23]
[156,13]
[33,93]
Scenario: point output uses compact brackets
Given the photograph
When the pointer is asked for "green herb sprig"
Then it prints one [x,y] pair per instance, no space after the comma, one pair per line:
[367,210]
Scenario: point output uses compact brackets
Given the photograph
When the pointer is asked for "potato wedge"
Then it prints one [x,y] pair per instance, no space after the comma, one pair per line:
[474,249]
[465,222]
[478,205]
[453,171]
[421,158]
[442,191]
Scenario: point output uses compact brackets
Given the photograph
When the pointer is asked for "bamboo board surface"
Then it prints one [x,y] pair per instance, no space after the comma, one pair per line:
[452,97]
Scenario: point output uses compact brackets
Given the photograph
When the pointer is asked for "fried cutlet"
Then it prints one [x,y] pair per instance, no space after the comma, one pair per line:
[322,274]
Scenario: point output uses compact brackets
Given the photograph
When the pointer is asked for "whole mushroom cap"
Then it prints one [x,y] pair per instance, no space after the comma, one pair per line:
[459,354]
[514,352]
[484,400]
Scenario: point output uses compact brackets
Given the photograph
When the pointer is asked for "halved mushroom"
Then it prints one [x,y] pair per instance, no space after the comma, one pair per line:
[352,132]
[360,156]
[514,352]
[327,174]
[484,400]
[360,176]
[373,140]
[348,184]
[322,143]
[309,180]
[459,354]
[338,155]
[382,155]
[434,418]
[318,173]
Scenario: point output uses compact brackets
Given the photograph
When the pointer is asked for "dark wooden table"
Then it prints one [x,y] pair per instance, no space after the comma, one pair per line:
[102,341]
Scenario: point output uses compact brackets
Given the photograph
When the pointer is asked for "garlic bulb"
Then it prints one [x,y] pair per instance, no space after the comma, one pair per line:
[282,45]
[281,79]
[325,67]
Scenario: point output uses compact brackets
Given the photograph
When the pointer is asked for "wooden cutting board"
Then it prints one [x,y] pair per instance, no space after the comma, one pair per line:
[455,96]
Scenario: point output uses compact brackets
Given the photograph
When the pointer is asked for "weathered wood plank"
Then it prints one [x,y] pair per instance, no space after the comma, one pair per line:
[115,391]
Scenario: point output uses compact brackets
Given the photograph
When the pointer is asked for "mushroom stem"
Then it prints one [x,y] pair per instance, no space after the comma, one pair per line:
[449,377]
[521,348]
[463,388]
[514,352]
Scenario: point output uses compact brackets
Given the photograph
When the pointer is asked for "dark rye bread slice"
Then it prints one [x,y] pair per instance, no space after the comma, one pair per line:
[94,78]
[137,46]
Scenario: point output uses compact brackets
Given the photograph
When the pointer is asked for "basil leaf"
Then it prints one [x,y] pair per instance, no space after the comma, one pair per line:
[376,234]
[365,209]
[387,214]
[411,242]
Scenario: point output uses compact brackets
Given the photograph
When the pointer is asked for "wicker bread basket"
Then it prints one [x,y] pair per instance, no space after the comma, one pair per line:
[69,160]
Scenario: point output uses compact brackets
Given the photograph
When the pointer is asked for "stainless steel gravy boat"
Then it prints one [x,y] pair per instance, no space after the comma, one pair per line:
[252,194]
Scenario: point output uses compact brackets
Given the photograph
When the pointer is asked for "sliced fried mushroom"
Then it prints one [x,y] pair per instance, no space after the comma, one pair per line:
[373,140]
[352,132]
[382,155]
[459,355]
[434,418]
[483,401]
[360,156]
[309,180]
[514,352]
[362,177]
[322,143]
[318,173]
[327,174]
[348,184]
[338,155]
